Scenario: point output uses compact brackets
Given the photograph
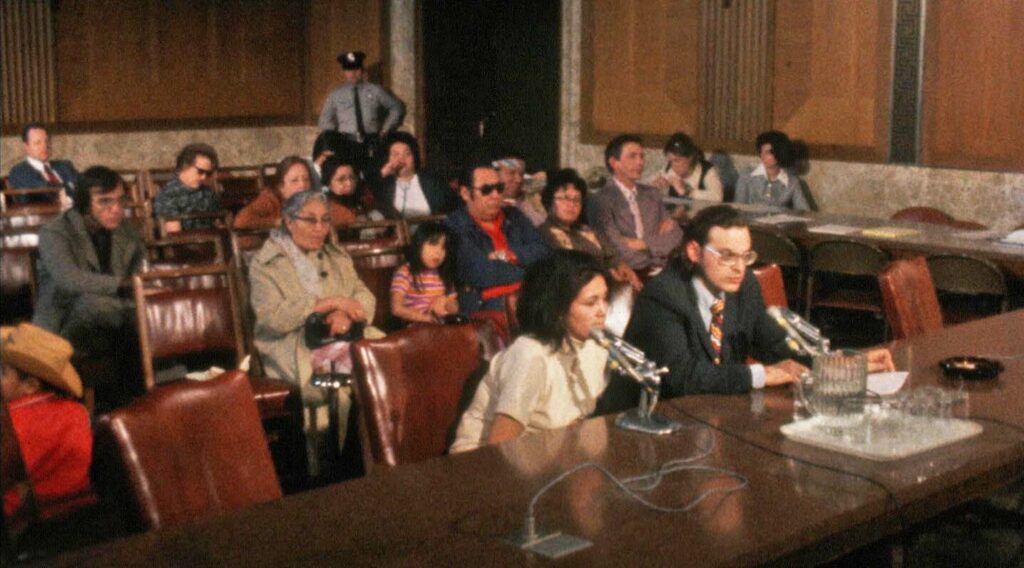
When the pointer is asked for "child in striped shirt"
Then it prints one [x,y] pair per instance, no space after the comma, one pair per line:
[423,289]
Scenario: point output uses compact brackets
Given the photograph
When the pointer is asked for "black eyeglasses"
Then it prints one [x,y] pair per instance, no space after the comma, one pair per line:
[490,188]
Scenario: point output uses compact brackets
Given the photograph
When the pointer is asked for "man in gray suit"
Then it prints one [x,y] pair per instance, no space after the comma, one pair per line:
[631,215]
[87,256]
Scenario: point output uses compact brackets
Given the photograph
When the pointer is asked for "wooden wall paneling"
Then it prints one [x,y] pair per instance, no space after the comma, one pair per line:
[344,25]
[973,93]
[154,61]
[831,79]
[27,63]
[640,68]
[736,63]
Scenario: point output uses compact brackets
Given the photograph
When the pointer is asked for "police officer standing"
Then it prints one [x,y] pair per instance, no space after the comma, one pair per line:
[355,109]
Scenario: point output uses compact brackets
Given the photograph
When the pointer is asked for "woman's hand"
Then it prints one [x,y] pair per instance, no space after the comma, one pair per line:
[623,273]
[681,187]
[661,182]
[348,306]
[323,157]
[390,168]
[339,322]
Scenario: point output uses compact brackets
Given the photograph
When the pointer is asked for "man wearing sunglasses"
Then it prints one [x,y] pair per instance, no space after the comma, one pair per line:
[494,242]
[191,190]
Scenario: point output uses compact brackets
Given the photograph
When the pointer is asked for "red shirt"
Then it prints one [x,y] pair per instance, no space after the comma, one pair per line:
[56,444]
[494,230]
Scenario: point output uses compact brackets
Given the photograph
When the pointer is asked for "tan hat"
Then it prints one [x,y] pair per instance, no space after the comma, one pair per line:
[41,354]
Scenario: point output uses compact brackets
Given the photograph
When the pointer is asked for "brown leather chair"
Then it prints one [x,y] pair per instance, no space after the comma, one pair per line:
[412,387]
[923,215]
[968,287]
[179,251]
[373,236]
[911,306]
[238,186]
[375,268]
[773,288]
[191,450]
[774,248]
[185,323]
[843,274]
[18,253]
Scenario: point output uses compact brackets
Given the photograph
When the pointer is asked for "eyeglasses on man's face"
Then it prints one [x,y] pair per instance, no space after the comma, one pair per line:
[730,258]
[111,202]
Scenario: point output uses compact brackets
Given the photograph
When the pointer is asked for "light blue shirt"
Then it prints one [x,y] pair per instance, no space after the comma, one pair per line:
[704,300]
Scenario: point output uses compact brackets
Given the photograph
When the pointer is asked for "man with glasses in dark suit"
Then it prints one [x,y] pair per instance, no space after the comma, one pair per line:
[191,190]
[494,243]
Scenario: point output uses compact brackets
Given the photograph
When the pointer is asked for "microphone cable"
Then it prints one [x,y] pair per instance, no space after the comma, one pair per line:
[632,487]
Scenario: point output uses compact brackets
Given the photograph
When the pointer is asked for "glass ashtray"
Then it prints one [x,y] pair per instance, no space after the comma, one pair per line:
[970,368]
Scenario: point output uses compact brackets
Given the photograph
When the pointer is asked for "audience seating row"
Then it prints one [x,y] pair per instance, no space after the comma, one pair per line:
[842,274]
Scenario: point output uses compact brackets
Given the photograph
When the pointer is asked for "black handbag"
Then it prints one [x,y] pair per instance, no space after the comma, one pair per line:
[318,332]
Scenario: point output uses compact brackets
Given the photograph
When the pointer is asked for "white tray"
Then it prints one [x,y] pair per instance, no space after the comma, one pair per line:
[885,436]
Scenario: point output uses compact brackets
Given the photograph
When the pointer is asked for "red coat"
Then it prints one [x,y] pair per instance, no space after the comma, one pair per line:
[56,443]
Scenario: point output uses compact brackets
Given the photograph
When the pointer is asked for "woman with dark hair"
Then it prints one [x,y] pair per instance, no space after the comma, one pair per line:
[293,176]
[687,173]
[770,183]
[404,191]
[564,199]
[346,200]
[552,375]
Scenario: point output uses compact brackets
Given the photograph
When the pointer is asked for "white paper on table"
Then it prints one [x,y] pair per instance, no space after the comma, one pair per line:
[976,235]
[1014,238]
[832,229]
[885,384]
[781,218]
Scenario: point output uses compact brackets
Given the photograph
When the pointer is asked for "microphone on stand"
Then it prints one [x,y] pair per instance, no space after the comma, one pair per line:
[802,335]
[633,363]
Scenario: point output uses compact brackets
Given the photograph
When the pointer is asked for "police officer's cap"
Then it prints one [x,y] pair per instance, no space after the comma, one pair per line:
[351,59]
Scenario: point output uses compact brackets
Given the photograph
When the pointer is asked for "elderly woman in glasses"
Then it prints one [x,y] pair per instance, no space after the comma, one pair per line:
[296,274]
[564,198]
[293,175]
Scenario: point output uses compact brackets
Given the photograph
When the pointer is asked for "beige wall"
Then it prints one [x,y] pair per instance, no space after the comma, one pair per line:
[157,149]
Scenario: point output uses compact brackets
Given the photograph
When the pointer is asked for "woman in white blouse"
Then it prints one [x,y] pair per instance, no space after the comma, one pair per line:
[552,375]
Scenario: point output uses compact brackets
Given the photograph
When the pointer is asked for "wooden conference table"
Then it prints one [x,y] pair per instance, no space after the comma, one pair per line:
[919,239]
[803,505]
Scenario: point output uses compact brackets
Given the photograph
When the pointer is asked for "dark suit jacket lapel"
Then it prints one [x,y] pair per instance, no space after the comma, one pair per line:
[684,299]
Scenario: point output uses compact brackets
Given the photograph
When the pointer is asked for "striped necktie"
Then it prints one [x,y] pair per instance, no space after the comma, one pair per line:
[715,329]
